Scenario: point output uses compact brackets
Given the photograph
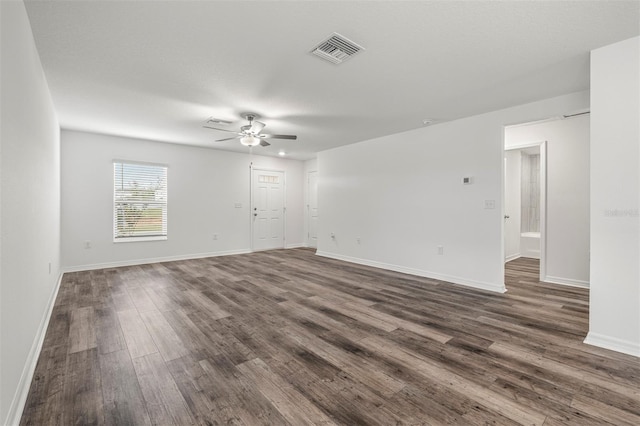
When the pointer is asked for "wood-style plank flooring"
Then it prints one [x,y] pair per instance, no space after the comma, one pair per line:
[289,338]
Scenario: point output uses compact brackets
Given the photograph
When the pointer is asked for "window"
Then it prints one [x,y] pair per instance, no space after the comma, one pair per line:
[139,201]
[268,179]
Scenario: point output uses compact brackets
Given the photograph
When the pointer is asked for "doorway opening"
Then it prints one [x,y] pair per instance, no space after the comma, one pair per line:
[525,183]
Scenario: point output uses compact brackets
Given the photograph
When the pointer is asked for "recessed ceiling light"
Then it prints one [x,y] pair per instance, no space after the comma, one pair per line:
[427,121]
[282,153]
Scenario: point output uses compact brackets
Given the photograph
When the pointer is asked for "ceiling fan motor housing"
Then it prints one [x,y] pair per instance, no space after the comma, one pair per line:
[250,116]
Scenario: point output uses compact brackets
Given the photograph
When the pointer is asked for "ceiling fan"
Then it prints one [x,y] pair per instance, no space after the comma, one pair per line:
[249,134]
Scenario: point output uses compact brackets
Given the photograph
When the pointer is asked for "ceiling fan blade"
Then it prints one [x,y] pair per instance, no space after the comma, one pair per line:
[264,143]
[227,139]
[222,130]
[214,120]
[256,127]
[292,137]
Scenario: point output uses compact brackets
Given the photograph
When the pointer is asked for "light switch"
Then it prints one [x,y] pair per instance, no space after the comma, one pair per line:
[489,204]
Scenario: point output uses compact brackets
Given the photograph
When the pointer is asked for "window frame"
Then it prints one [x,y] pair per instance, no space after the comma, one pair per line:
[164,206]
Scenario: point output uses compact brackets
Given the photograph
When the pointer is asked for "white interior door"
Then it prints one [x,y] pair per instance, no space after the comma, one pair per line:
[512,203]
[312,207]
[267,209]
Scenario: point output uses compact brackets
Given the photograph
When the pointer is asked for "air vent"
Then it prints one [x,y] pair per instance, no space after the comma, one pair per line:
[336,49]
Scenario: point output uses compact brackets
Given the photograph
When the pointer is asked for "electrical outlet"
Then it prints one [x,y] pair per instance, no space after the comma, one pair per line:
[215,236]
[489,204]
[87,244]
[358,240]
[333,236]
[440,250]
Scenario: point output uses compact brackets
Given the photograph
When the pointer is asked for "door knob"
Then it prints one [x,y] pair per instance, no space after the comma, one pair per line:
[255,214]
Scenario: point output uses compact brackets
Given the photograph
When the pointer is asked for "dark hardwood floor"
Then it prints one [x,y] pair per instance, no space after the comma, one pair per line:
[287,337]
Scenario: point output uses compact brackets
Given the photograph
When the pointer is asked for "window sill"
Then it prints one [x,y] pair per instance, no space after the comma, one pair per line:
[138,239]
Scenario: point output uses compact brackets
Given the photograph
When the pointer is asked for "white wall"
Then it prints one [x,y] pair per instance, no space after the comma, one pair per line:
[567,242]
[203,187]
[403,196]
[29,208]
[614,320]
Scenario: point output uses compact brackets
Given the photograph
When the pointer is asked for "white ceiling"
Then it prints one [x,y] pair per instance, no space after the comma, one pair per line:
[158,69]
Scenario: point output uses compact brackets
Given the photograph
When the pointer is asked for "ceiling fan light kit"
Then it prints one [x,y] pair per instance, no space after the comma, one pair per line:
[250,140]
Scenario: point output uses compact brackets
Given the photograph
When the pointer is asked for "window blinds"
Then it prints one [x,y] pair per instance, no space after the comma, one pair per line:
[140,200]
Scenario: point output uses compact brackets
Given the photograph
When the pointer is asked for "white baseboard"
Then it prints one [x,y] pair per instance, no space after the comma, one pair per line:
[22,391]
[134,262]
[512,257]
[531,255]
[566,281]
[613,343]
[297,245]
[419,272]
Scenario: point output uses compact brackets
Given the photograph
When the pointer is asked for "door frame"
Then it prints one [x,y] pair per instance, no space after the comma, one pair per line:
[308,213]
[543,201]
[252,170]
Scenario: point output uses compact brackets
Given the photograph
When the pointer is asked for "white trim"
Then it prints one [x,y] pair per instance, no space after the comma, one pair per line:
[288,247]
[134,262]
[308,211]
[22,391]
[296,245]
[419,272]
[138,239]
[566,281]
[613,343]
[523,144]
[513,257]
[139,163]
[543,209]
[538,121]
